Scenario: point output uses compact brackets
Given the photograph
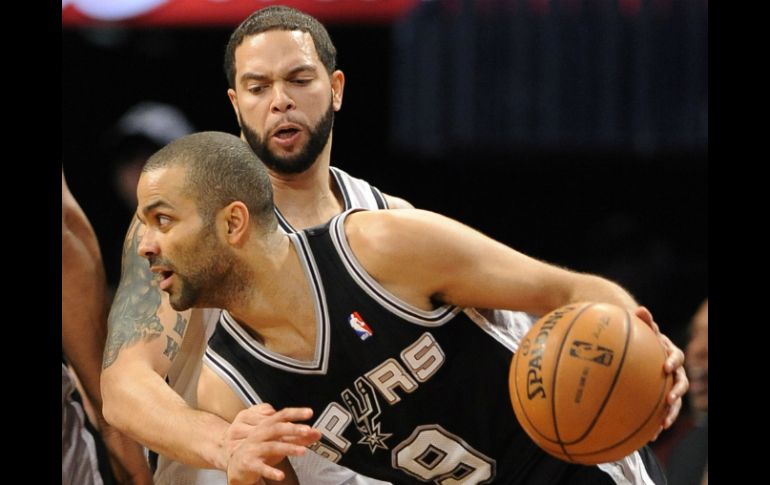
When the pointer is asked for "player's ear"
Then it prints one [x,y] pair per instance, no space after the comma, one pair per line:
[235,218]
[338,87]
[234,101]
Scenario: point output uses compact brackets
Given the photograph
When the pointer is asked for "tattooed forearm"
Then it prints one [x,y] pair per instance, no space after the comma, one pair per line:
[134,312]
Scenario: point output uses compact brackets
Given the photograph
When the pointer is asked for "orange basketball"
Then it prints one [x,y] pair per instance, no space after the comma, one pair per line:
[587,383]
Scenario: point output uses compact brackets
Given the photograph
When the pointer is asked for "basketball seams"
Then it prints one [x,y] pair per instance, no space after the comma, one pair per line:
[655,410]
[555,374]
[517,396]
[543,424]
[615,379]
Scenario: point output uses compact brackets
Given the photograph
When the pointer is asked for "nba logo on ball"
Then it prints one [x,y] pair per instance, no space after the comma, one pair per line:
[587,383]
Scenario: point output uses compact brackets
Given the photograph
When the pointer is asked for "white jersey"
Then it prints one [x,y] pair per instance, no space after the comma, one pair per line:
[356,194]
[183,378]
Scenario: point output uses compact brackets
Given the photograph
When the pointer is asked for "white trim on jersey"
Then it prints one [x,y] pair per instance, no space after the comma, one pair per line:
[391,303]
[283,223]
[505,326]
[628,471]
[356,194]
[319,363]
[221,367]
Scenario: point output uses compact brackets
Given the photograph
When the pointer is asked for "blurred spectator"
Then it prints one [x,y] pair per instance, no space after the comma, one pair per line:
[688,463]
[137,134]
[683,450]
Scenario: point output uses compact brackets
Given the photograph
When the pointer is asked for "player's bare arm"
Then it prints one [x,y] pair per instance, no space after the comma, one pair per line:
[145,336]
[397,202]
[398,248]
[449,262]
[134,313]
[84,329]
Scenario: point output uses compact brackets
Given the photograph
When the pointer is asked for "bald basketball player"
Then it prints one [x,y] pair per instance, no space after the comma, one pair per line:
[362,320]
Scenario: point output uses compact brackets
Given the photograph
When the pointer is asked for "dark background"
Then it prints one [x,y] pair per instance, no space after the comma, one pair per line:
[550,178]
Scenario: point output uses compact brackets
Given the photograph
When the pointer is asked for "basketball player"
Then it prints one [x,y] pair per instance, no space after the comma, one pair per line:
[83,332]
[284,89]
[361,319]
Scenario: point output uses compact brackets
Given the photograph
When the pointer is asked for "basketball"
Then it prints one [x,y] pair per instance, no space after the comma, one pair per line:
[587,383]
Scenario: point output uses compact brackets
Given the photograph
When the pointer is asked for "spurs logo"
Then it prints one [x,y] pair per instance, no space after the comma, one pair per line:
[365,409]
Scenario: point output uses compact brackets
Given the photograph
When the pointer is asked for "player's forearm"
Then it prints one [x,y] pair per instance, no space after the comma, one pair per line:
[595,288]
[141,404]
[84,325]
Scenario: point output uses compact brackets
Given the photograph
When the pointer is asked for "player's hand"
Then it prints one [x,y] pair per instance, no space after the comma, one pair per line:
[260,437]
[674,365]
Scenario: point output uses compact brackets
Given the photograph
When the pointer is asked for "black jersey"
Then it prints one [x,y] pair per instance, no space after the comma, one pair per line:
[399,393]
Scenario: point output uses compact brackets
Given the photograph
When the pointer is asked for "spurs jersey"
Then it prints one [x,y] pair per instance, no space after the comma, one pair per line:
[399,393]
[184,373]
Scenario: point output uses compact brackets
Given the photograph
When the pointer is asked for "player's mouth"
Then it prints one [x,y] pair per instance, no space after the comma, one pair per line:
[163,276]
[165,279]
[286,135]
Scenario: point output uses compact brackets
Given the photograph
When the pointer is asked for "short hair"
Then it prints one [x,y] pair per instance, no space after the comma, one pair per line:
[280,17]
[220,169]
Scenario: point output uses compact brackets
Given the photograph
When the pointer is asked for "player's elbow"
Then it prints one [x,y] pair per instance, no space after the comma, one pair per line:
[116,397]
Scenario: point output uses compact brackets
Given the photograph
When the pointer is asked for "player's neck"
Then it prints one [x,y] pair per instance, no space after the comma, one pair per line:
[278,309]
[309,198]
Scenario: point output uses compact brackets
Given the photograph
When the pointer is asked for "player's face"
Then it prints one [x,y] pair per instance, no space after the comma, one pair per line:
[189,262]
[284,99]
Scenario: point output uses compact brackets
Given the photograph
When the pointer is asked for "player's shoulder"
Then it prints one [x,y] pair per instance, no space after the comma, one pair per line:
[397,202]
[389,232]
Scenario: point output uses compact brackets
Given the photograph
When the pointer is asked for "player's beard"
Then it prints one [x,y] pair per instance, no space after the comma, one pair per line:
[209,276]
[303,160]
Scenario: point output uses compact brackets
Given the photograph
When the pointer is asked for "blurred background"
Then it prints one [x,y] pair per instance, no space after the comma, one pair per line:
[575,131]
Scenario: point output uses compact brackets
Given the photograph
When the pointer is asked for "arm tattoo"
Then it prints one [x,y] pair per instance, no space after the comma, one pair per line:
[134,313]
[180,325]
[172,348]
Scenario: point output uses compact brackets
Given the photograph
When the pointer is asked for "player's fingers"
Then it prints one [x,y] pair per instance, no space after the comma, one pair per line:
[254,460]
[657,434]
[277,431]
[278,450]
[675,357]
[250,471]
[304,439]
[681,384]
[644,314]
[255,414]
[292,414]
[672,414]
[269,472]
